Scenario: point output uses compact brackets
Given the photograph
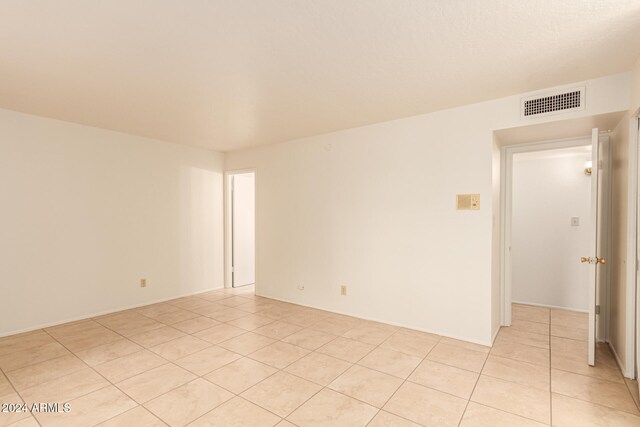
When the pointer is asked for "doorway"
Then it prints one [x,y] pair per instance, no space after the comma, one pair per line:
[241,228]
[555,231]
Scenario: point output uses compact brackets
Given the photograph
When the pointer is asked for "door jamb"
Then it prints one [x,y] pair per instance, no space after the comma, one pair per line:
[633,254]
[228,233]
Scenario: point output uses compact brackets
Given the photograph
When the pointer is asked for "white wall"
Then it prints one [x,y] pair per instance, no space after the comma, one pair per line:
[549,188]
[85,213]
[373,208]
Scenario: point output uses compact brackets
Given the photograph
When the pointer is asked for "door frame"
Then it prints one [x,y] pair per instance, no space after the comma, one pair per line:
[228,224]
[633,252]
[506,192]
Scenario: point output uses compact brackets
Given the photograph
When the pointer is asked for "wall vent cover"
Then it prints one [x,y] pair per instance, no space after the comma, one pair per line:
[553,103]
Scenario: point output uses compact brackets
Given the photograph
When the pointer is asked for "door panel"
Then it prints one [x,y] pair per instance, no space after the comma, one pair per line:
[243,229]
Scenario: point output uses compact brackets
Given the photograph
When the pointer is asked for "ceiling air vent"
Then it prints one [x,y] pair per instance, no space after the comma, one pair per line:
[553,103]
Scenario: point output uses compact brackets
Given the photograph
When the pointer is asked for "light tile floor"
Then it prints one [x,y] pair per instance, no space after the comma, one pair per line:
[229,358]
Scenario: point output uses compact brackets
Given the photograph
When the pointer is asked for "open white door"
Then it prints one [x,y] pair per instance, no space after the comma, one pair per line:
[243,239]
[594,257]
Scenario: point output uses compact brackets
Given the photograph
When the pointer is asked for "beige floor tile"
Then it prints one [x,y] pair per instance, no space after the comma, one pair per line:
[233,301]
[156,310]
[279,354]
[188,402]
[318,368]
[66,388]
[207,360]
[90,409]
[517,399]
[571,355]
[31,356]
[571,319]
[367,385]
[346,349]
[181,347]
[24,341]
[278,330]
[281,393]
[329,408]
[387,419]
[568,332]
[176,317]
[527,326]
[196,324]
[25,422]
[219,333]
[522,352]
[391,362]
[241,374]
[10,417]
[157,336]
[251,322]
[507,335]
[209,309]
[237,412]
[138,417]
[594,390]
[309,339]
[285,423]
[369,334]
[107,352]
[227,315]
[465,344]
[445,378]
[426,406]
[632,385]
[333,326]
[30,376]
[524,373]
[96,339]
[153,383]
[458,357]
[478,415]
[530,313]
[119,369]
[246,343]
[5,386]
[413,343]
[569,412]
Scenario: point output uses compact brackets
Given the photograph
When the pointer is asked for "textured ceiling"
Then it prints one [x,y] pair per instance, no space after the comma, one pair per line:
[232,74]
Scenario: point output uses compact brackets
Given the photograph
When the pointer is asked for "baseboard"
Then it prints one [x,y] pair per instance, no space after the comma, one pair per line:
[401,325]
[102,313]
[549,306]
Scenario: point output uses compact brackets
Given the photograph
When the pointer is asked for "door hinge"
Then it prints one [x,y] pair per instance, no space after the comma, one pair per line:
[597,309]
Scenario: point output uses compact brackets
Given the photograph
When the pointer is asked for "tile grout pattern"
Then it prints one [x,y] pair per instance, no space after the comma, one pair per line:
[227,356]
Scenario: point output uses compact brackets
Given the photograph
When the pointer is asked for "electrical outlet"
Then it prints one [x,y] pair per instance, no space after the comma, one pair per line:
[143,283]
[343,290]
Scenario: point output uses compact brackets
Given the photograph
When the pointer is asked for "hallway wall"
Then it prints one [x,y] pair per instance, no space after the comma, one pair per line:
[549,188]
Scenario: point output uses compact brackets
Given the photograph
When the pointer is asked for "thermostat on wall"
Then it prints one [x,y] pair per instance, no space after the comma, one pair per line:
[468,202]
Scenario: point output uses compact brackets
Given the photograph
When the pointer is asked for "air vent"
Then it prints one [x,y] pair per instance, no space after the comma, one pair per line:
[553,103]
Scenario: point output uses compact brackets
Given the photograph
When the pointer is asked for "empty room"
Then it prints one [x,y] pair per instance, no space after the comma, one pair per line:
[319,213]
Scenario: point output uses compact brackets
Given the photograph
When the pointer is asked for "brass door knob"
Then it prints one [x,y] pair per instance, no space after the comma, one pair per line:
[600,261]
[584,259]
